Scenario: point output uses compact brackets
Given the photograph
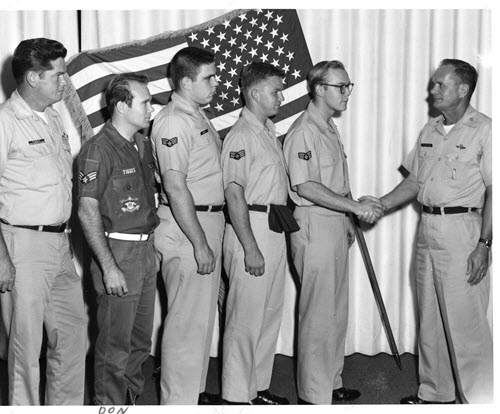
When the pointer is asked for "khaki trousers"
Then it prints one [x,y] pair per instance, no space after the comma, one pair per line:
[455,338]
[47,294]
[192,304]
[320,254]
[253,312]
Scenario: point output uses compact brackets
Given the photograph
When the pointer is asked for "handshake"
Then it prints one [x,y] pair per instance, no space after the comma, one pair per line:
[370,209]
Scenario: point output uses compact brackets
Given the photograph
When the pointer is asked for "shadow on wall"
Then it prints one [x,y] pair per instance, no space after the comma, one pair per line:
[8,84]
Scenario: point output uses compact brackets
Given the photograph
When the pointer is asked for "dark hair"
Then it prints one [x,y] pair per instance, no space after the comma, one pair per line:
[37,55]
[464,71]
[187,62]
[256,72]
[318,73]
[118,90]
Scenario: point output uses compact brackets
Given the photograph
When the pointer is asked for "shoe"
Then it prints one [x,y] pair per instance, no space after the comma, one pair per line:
[226,402]
[300,401]
[130,398]
[206,398]
[345,394]
[414,399]
[266,398]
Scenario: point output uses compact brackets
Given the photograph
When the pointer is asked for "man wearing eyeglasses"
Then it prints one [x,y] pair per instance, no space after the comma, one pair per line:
[319,187]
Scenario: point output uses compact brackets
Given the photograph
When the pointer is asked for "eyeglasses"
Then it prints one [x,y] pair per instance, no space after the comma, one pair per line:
[343,87]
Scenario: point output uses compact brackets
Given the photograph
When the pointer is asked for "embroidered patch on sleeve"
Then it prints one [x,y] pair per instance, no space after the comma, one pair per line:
[87,178]
[237,155]
[169,142]
[305,155]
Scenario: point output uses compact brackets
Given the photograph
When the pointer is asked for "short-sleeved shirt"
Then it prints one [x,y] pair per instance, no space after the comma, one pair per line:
[35,165]
[185,140]
[314,152]
[121,177]
[252,157]
[453,169]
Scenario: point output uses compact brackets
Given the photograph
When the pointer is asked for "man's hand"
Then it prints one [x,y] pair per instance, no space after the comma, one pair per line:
[254,263]
[371,209]
[477,264]
[7,274]
[114,282]
[205,259]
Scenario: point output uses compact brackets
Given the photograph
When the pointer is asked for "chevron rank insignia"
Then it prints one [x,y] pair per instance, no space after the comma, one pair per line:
[237,154]
[460,146]
[305,155]
[87,178]
[169,142]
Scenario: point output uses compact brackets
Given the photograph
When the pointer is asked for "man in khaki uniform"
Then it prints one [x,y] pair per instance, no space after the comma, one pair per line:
[38,280]
[189,237]
[319,185]
[254,256]
[450,175]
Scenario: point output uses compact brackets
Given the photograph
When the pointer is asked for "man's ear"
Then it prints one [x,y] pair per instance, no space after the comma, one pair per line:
[319,89]
[463,90]
[120,107]
[255,95]
[32,78]
[186,83]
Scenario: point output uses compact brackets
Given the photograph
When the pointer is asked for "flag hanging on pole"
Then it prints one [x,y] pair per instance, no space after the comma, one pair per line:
[236,39]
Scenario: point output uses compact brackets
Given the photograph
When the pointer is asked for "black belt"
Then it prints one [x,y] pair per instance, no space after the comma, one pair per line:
[258,207]
[213,209]
[447,210]
[49,229]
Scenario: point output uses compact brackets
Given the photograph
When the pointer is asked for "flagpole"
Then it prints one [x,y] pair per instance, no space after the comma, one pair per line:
[375,287]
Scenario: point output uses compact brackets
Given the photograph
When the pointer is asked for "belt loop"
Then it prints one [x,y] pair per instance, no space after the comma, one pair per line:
[209,208]
[40,228]
[441,209]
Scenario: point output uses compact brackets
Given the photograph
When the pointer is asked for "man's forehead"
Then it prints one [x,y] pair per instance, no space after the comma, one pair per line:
[337,75]
[207,70]
[139,90]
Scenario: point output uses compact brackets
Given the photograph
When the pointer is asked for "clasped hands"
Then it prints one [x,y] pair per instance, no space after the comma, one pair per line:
[371,209]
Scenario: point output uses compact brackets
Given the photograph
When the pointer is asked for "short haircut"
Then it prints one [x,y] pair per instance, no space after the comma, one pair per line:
[37,55]
[464,71]
[187,62]
[318,73]
[256,72]
[118,90]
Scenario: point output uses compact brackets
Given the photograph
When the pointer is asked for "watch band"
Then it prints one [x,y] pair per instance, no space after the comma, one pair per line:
[487,242]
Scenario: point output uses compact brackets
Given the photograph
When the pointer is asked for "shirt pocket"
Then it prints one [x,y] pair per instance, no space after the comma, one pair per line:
[426,160]
[459,166]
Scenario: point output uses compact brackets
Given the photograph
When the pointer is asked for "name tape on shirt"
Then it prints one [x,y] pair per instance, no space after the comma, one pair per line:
[237,155]
[129,171]
[169,142]
[204,132]
[305,155]
[87,178]
[38,141]
[425,144]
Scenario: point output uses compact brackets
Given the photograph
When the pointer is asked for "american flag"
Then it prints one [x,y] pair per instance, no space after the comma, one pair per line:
[236,39]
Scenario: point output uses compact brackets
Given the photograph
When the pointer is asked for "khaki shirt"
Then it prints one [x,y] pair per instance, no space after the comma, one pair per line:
[185,140]
[313,152]
[252,157]
[35,166]
[453,169]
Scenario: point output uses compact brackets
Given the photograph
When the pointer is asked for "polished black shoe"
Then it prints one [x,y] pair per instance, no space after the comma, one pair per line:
[345,394]
[414,399]
[206,398]
[266,398]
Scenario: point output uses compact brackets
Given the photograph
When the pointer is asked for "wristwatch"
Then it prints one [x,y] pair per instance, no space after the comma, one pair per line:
[487,242]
